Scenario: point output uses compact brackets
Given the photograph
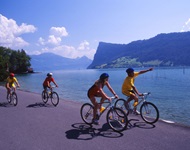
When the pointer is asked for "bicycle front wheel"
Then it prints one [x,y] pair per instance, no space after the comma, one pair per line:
[149,112]
[86,113]
[54,98]
[120,103]
[44,97]
[14,99]
[117,119]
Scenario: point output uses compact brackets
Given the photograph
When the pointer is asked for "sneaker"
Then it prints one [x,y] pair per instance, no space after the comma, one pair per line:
[95,121]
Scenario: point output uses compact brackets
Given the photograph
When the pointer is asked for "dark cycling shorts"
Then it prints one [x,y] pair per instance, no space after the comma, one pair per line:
[45,87]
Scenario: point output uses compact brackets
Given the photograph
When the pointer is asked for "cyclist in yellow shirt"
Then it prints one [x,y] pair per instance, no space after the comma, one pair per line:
[128,87]
[10,83]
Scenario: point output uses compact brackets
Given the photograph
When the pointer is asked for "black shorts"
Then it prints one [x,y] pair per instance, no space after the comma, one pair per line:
[45,87]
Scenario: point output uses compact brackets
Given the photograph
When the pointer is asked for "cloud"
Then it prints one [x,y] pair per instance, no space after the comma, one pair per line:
[58,31]
[54,40]
[72,52]
[55,37]
[10,36]
[10,33]
[186,26]
[41,41]
[53,43]
[84,45]
[69,51]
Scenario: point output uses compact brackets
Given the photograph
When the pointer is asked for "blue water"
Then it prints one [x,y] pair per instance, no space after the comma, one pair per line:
[169,87]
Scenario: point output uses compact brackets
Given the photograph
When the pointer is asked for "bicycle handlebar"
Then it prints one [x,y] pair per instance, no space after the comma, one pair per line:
[113,97]
[51,87]
[146,93]
[107,101]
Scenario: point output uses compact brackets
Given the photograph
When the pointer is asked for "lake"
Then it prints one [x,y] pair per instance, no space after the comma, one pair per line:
[169,87]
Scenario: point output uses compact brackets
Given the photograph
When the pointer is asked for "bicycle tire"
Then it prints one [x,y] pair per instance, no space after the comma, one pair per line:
[54,98]
[149,112]
[14,99]
[120,103]
[44,97]
[117,119]
[86,113]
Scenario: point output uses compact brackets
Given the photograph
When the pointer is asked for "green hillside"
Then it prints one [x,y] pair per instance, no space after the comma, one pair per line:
[171,49]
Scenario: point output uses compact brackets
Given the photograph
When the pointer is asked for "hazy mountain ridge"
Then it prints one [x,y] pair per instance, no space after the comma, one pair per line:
[172,49]
[50,61]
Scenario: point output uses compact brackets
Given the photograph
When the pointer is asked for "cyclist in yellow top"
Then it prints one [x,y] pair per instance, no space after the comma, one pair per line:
[128,87]
[10,83]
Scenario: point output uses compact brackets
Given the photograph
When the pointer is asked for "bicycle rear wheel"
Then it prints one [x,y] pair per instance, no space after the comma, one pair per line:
[54,98]
[117,119]
[86,113]
[149,112]
[14,99]
[120,103]
[44,97]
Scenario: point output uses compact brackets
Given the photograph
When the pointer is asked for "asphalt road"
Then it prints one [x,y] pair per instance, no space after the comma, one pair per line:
[31,125]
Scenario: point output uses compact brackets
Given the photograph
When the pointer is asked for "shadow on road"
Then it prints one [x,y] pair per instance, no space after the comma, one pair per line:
[38,105]
[135,123]
[6,104]
[83,131]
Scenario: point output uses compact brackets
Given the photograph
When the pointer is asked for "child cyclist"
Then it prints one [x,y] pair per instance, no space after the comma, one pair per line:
[10,83]
[48,80]
[97,91]
[129,89]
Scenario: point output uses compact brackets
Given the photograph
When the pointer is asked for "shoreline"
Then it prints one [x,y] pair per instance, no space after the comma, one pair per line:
[80,103]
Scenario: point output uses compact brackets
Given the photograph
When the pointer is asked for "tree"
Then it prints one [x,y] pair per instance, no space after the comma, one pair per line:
[4,62]
[20,62]
[13,61]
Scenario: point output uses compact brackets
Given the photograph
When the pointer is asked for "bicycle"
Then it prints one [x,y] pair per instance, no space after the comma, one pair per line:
[50,93]
[148,111]
[116,117]
[12,97]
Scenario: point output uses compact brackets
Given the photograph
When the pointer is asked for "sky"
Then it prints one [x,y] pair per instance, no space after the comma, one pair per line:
[74,28]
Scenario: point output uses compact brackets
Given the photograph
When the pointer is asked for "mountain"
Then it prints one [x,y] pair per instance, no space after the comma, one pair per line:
[172,49]
[50,61]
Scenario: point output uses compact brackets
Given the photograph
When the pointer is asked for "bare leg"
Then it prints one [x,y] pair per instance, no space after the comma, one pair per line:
[131,97]
[93,100]
[8,91]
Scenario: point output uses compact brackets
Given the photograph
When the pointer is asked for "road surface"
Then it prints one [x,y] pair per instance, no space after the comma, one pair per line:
[31,125]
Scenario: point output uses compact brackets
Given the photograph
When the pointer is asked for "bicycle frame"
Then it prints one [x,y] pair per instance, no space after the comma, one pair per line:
[110,105]
[12,91]
[116,117]
[141,99]
[12,96]
[50,90]
[148,111]
[50,93]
